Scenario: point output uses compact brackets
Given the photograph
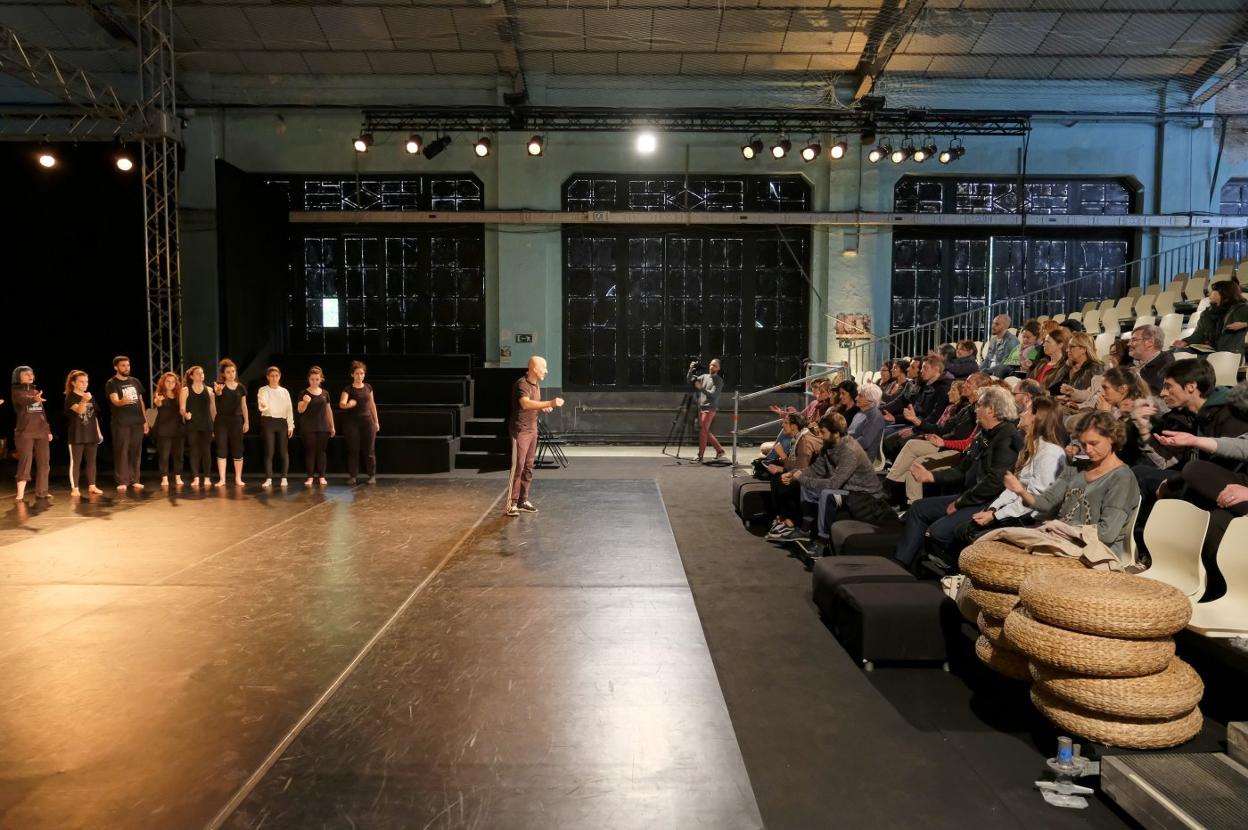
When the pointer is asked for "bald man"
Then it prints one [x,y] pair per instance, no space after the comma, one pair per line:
[526,403]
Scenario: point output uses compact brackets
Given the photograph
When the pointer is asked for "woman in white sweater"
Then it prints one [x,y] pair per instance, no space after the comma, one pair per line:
[1038,466]
[277,424]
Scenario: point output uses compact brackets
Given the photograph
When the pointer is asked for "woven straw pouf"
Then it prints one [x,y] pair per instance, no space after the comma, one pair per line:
[1105,604]
[1086,653]
[994,630]
[1001,660]
[1171,693]
[999,566]
[1112,731]
[993,603]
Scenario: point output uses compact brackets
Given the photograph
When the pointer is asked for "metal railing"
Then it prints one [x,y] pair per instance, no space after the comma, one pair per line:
[1159,268]
[825,370]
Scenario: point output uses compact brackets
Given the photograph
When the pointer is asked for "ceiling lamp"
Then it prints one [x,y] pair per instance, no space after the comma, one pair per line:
[752,150]
[811,151]
[536,146]
[481,147]
[839,149]
[47,159]
[123,161]
[879,152]
[781,148]
[925,151]
[362,142]
[436,146]
[647,143]
[414,144]
[955,152]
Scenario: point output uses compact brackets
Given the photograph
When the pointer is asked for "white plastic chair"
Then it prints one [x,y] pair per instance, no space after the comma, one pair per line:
[1225,367]
[1059,318]
[1090,305]
[1125,307]
[1043,318]
[1195,288]
[1228,616]
[1172,325]
[1154,288]
[1092,321]
[1103,341]
[1012,330]
[1128,543]
[1164,304]
[1109,319]
[1174,535]
[1146,320]
[1107,304]
[1134,291]
[1075,315]
[1144,305]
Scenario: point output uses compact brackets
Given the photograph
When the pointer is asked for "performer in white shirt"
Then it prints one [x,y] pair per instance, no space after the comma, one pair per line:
[277,424]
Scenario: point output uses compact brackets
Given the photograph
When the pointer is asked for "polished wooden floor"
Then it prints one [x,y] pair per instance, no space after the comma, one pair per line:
[390,656]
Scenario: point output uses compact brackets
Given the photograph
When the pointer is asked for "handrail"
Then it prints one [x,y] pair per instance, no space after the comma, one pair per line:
[777,422]
[794,382]
[737,397]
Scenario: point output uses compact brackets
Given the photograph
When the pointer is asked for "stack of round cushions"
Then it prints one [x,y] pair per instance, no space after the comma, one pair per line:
[996,571]
[1102,659]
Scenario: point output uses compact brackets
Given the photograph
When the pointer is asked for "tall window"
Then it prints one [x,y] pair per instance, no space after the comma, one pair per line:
[387,289]
[1234,245]
[940,273]
[640,303]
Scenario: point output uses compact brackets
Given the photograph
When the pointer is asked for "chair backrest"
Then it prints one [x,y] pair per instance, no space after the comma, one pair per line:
[1234,565]
[1075,315]
[1059,318]
[1109,318]
[1092,321]
[1090,305]
[1174,535]
[1042,318]
[1103,341]
[1134,291]
[1146,320]
[1012,330]
[1107,304]
[1128,543]
[1172,325]
[1164,304]
[1225,367]
[1154,288]
[1226,266]
[1144,305]
[1203,272]
[1125,306]
[1195,288]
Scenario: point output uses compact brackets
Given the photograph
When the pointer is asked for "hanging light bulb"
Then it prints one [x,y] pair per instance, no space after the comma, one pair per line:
[839,149]
[362,142]
[481,147]
[753,149]
[781,148]
[536,146]
[414,144]
[811,151]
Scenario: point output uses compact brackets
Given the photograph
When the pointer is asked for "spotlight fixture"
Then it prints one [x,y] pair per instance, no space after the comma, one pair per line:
[955,152]
[481,147]
[925,151]
[123,161]
[47,159]
[536,146]
[436,146]
[839,149]
[811,151]
[905,151]
[781,148]
[647,143]
[362,142]
[879,152]
[752,150]
[414,144]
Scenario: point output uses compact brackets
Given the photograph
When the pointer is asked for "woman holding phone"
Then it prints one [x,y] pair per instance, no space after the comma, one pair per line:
[198,406]
[170,428]
[31,434]
[277,423]
[360,424]
[83,433]
[316,426]
[231,423]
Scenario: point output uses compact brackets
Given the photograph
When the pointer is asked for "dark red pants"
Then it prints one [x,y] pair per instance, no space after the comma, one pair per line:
[523,453]
[704,432]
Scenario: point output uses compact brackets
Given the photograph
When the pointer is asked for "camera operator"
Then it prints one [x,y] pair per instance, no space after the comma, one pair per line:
[707,388]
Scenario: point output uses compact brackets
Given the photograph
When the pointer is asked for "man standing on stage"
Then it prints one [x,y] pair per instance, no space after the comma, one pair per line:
[128,423]
[708,387]
[526,403]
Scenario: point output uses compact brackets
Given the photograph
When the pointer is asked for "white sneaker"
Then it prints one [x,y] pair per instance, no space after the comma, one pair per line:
[527,507]
[268,482]
[512,511]
[283,483]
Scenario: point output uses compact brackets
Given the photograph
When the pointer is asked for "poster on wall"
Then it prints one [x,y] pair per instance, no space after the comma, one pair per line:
[850,326]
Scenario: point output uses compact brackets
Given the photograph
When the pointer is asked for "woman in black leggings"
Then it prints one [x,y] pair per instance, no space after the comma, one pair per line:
[170,428]
[360,424]
[82,433]
[316,426]
[31,434]
[231,423]
[199,410]
[277,424]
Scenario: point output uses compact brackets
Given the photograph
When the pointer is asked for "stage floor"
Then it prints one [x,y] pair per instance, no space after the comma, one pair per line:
[394,656]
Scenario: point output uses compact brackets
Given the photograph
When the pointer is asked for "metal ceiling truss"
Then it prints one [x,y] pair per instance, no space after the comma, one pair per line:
[747,121]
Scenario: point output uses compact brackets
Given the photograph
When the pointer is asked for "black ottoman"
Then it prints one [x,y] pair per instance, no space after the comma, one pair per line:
[751,499]
[831,572]
[893,621]
[852,537]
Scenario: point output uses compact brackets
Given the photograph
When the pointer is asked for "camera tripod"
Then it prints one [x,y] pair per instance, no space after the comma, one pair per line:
[682,426]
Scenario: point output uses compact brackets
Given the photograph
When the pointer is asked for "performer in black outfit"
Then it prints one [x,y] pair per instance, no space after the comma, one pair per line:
[360,424]
[128,423]
[230,424]
[31,434]
[83,433]
[170,429]
[199,409]
[316,426]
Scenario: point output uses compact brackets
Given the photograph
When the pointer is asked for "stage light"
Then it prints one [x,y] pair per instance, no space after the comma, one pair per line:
[47,159]
[647,143]
[955,152]
[481,147]
[924,151]
[362,142]
[123,161]
[752,150]
[436,146]
[536,146]
[781,148]
[839,149]
[414,144]
[811,151]
[905,151]
[879,152]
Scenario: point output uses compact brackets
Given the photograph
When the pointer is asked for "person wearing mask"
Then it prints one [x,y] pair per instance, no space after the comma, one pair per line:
[31,434]
[170,428]
[867,427]
[231,423]
[1222,326]
[83,433]
[1148,359]
[277,424]
[931,400]
[526,403]
[979,475]
[316,427]
[128,423]
[198,407]
[786,497]
[1103,494]
[706,391]
[949,436]
[964,363]
[1002,348]
[360,425]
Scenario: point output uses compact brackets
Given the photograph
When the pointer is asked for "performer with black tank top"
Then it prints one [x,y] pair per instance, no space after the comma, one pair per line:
[316,426]
[170,428]
[360,425]
[83,433]
[199,410]
[31,434]
[231,422]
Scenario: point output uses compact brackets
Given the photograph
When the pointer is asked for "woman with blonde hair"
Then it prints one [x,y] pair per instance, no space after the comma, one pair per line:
[1083,369]
[82,433]
[198,407]
[170,429]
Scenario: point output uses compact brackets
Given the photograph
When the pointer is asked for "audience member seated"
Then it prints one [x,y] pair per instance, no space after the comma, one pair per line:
[786,497]
[840,482]
[1118,353]
[816,408]
[1083,372]
[1102,493]
[1126,397]
[1037,468]
[1050,369]
[1028,345]
[894,381]
[1001,355]
[1026,392]
[1222,326]
[867,428]
[949,436]
[1072,326]
[964,363]
[845,399]
[980,474]
[929,402]
[1148,358]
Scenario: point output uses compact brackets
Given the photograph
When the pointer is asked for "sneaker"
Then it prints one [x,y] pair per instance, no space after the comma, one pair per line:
[372,479]
[780,535]
[283,483]
[137,486]
[776,526]
[268,482]
[512,511]
[324,482]
[527,507]
[797,535]
[307,482]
